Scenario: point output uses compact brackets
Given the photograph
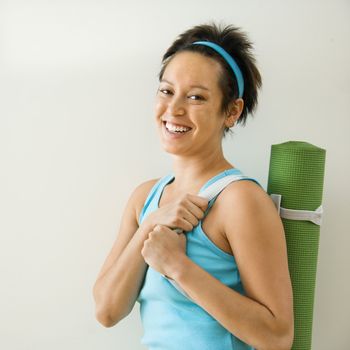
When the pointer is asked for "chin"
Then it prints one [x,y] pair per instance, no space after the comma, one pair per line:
[171,149]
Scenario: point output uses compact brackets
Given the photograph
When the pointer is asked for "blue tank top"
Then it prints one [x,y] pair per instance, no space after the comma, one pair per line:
[172,321]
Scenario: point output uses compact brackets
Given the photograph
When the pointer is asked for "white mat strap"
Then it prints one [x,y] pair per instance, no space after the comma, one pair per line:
[292,214]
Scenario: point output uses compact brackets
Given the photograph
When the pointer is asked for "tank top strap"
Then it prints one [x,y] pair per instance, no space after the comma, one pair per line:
[233,177]
[154,193]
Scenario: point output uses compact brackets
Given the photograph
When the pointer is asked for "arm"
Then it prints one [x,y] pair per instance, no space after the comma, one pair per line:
[118,283]
[264,317]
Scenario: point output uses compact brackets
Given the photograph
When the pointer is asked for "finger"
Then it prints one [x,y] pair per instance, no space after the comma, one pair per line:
[161,229]
[188,216]
[183,240]
[194,213]
[192,220]
[199,201]
[184,224]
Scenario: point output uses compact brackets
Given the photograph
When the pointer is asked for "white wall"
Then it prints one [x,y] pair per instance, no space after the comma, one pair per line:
[77,85]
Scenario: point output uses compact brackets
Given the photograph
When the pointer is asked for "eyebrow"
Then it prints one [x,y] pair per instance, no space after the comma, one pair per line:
[191,86]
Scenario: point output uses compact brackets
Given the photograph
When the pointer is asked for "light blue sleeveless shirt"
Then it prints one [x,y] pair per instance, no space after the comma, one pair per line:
[172,321]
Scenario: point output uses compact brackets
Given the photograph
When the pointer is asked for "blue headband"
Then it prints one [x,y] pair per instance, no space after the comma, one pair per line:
[232,63]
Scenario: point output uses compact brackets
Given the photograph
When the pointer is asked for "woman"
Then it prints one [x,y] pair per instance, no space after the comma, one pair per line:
[230,260]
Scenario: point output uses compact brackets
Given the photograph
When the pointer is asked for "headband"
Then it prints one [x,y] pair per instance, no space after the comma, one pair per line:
[232,63]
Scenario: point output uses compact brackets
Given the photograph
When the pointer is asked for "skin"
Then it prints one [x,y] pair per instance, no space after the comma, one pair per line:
[246,221]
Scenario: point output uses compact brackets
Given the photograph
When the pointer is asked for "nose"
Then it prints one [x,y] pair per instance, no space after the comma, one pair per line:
[176,106]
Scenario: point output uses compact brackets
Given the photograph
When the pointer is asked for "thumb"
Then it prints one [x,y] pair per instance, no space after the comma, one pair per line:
[183,239]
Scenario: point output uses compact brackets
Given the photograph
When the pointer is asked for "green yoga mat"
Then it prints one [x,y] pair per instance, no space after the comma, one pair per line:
[297,172]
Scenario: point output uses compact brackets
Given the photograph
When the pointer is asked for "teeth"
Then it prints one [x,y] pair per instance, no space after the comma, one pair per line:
[173,127]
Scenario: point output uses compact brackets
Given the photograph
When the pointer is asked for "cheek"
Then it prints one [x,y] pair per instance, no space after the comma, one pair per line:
[159,107]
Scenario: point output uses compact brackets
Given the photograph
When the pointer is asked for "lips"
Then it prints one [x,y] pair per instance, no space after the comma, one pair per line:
[179,125]
[174,134]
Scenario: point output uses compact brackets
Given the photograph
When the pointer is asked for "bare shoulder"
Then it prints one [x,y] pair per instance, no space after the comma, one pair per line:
[245,185]
[246,194]
[140,194]
[248,210]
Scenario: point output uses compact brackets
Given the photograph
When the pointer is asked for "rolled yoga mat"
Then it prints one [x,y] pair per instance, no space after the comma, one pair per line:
[296,173]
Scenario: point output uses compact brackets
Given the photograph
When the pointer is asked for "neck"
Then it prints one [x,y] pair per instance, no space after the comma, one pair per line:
[191,173]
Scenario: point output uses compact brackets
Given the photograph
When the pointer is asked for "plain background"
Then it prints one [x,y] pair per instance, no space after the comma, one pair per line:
[77,86]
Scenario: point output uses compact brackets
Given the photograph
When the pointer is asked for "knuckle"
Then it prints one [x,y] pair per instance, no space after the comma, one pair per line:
[178,211]
[177,221]
[184,199]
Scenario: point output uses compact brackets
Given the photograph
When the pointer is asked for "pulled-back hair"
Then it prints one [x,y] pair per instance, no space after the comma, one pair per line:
[237,44]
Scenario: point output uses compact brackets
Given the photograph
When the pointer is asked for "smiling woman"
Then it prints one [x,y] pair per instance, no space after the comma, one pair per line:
[208,273]
[181,102]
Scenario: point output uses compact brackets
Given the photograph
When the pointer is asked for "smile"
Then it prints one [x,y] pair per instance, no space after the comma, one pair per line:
[176,128]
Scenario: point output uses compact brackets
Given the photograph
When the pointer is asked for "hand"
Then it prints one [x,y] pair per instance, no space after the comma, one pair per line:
[183,213]
[163,250]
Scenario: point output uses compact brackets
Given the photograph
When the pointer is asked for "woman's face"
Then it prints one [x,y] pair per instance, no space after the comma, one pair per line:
[189,98]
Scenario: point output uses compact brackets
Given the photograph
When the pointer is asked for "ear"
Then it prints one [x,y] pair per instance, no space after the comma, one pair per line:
[236,109]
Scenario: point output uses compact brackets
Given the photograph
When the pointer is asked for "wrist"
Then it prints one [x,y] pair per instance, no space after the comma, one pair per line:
[179,267]
[148,224]
[144,229]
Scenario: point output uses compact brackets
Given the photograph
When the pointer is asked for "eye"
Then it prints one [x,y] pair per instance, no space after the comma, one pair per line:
[191,97]
[165,91]
[197,97]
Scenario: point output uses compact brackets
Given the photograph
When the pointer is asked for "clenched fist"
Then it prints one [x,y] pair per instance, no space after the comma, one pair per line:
[163,249]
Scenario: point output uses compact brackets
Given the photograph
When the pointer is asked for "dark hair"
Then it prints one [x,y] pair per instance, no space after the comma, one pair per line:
[237,44]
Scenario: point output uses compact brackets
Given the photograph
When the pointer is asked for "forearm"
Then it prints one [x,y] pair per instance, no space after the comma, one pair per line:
[117,290]
[249,320]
